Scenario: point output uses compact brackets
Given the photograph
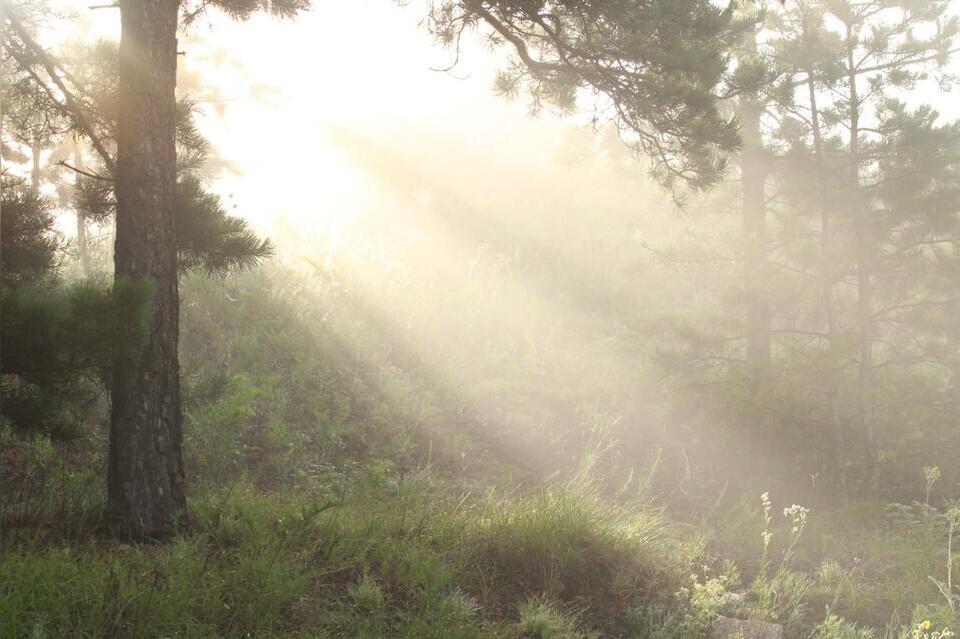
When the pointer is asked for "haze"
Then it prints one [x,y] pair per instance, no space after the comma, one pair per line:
[480,318]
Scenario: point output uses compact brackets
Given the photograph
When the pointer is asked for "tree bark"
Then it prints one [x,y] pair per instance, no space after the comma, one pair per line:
[755,232]
[826,273]
[146,491]
[752,179]
[83,253]
[864,283]
[35,168]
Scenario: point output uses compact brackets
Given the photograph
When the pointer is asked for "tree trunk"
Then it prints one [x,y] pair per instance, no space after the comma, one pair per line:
[752,179]
[35,168]
[832,377]
[83,253]
[864,284]
[755,231]
[146,489]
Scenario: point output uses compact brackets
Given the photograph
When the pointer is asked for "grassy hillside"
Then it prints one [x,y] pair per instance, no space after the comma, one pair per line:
[335,496]
[403,559]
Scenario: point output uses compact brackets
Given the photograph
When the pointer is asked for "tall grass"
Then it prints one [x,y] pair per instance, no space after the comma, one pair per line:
[408,562]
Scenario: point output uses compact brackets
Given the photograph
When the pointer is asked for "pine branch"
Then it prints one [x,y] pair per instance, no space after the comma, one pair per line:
[73,109]
[95,176]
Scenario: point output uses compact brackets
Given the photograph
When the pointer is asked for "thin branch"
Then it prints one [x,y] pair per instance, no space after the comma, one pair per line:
[456,58]
[95,176]
[72,108]
[518,43]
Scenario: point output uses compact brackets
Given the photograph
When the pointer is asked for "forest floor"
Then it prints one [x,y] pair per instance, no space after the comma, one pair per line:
[414,558]
[308,518]
[406,560]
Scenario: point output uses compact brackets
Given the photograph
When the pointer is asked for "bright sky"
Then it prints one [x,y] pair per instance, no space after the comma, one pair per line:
[272,90]
[280,87]
[363,65]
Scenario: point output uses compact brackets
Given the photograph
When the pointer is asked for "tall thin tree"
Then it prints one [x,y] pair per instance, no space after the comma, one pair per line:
[146,487]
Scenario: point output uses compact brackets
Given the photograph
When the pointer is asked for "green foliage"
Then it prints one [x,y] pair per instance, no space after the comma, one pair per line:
[313,396]
[210,239]
[781,599]
[833,627]
[51,490]
[377,564]
[849,273]
[187,588]
[542,619]
[268,393]
[278,430]
[657,62]
[58,348]
[932,622]
[565,542]
[245,9]
[28,242]
[59,341]
[700,603]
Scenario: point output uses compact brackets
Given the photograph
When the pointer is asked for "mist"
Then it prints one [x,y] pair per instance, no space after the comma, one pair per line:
[480,319]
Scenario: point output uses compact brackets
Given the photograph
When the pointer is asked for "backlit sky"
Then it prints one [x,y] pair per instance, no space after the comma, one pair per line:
[364,65]
[272,91]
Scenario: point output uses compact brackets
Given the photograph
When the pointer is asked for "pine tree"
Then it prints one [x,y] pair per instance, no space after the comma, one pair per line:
[656,65]
[146,492]
[841,80]
[858,264]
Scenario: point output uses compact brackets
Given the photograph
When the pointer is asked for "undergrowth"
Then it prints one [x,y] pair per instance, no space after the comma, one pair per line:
[409,562]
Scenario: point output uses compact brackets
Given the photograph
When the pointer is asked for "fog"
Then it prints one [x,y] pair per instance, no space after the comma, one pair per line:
[469,319]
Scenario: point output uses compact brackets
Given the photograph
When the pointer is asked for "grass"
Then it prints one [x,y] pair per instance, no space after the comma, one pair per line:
[408,562]
[412,559]
[366,552]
